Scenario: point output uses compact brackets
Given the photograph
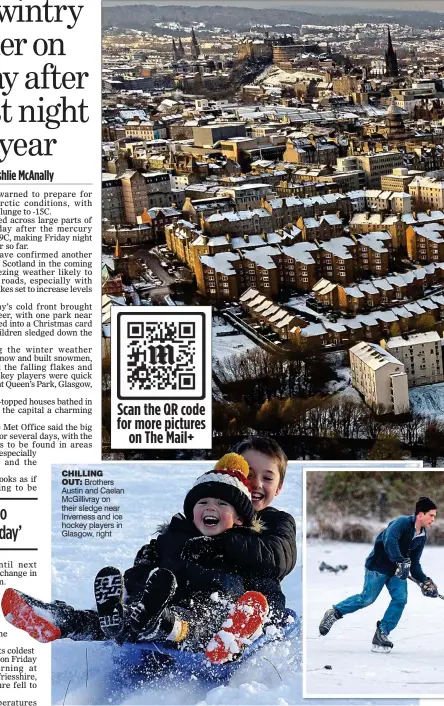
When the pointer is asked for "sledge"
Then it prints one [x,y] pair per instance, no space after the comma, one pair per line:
[148,656]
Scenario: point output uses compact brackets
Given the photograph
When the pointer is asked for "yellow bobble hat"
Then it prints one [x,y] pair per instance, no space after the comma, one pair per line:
[228,481]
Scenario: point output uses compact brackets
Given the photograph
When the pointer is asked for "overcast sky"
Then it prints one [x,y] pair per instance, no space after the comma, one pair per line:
[430,5]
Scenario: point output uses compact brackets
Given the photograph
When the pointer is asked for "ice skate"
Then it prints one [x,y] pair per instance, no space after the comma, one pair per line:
[243,625]
[108,591]
[330,617]
[380,642]
[145,616]
[44,622]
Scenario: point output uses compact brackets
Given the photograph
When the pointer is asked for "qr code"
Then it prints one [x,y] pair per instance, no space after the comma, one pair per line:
[161,355]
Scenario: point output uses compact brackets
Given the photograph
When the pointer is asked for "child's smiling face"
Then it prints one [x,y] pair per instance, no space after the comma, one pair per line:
[264,477]
[212,516]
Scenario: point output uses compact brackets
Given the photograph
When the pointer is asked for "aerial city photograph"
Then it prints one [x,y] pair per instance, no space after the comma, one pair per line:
[284,163]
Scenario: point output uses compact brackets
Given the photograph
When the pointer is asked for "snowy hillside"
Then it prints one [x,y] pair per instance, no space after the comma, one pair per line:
[413,668]
[84,673]
[428,400]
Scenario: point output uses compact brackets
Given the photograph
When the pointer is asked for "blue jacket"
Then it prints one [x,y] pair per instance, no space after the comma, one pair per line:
[396,543]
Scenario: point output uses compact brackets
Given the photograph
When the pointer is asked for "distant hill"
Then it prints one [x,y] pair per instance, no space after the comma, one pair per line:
[241,19]
[143,17]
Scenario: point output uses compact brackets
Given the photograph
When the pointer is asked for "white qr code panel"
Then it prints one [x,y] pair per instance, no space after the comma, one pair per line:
[161,355]
[161,377]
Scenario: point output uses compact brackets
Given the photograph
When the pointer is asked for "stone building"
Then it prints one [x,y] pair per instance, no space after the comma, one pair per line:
[421,356]
[380,378]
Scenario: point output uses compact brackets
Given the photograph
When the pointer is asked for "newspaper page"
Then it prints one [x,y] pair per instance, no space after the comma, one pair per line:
[221,367]
[50,361]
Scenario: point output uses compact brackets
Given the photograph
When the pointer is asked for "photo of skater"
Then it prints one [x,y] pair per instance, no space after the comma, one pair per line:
[207,584]
[394,554]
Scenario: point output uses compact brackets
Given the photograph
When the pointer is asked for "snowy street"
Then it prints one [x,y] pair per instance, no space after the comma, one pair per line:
[84,673]
[414,668]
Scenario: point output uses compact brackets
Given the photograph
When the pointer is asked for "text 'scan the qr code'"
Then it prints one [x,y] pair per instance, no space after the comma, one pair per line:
[161,356]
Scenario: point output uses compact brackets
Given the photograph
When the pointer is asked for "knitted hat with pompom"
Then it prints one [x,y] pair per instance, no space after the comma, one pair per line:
[228,481]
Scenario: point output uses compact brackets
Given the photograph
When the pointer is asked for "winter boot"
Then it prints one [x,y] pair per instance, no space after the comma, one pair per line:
[146,616]
[243,625]
[44,622]
[108,591]
[329,619]
[380,642]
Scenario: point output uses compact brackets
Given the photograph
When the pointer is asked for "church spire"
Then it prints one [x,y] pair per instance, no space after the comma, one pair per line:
[175,52]
[389,40]
[391,60]
[195,49]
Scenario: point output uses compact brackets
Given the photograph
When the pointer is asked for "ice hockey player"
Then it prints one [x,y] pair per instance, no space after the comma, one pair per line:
[396,554]
[169,593]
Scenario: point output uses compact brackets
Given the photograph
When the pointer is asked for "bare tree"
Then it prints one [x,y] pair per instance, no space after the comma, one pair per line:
[434,441]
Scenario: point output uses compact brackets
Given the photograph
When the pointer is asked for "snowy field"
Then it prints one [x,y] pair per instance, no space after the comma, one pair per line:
[428,400]
[225,346]
[84,673]
[412,669]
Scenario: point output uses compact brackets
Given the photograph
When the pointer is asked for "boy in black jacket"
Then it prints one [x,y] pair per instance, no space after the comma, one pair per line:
[265,557]
[164,603]
[396,553]
[272,552]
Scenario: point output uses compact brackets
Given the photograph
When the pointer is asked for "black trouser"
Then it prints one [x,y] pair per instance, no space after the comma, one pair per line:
[203,615]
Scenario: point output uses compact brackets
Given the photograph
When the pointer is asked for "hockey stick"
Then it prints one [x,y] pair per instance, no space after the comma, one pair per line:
[420,584]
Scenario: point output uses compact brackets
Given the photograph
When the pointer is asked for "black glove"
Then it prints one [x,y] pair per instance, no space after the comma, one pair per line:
[199,548]
[148,554]
[429,589]
[403,568]
[201,579]
[232,584]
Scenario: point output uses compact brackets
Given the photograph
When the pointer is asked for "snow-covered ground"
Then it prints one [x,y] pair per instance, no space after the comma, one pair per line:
[225,346]
[84,673]
[343,385]
[412,669]
[299,302]
[428,400]
[343,388]
[273,76]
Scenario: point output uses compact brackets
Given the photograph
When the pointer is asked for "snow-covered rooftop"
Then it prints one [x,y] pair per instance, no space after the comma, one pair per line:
[338,247]
[300,252]
[374,240]
[374,356]
[263,256]
[413,339]
[221,262]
